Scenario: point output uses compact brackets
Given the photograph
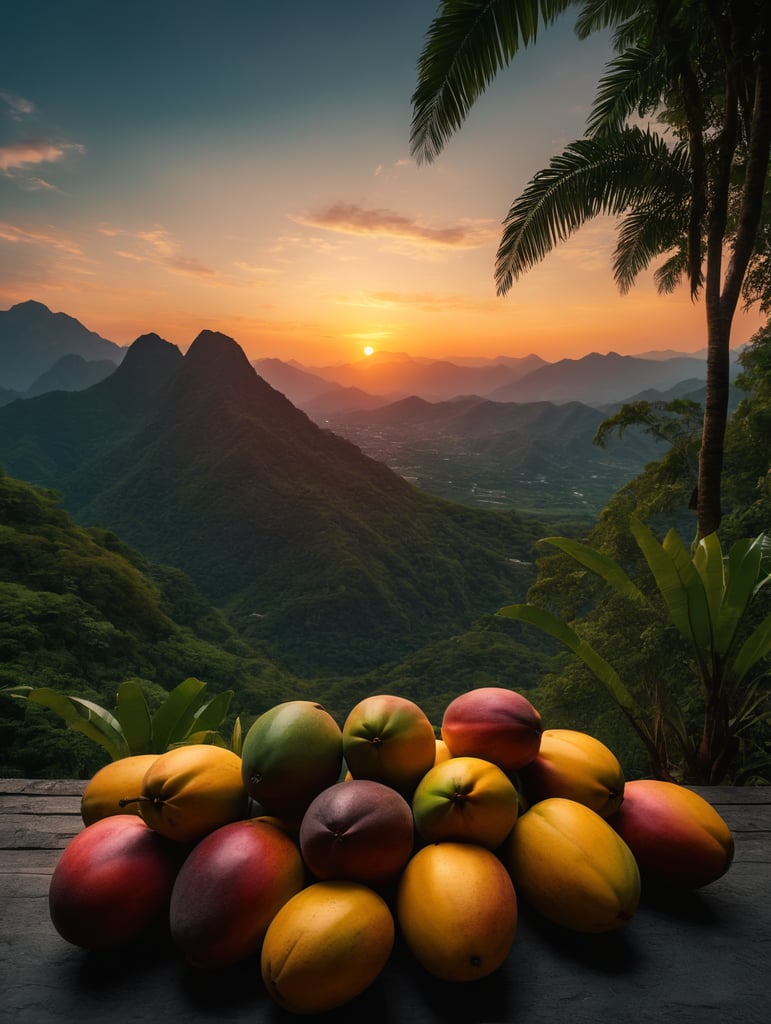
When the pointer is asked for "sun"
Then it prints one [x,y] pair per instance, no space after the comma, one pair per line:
[368,350]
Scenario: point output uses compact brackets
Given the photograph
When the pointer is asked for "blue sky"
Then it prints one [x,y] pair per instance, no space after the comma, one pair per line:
[244,166]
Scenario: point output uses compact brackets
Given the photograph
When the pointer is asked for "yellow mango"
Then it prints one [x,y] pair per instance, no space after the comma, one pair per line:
[572,867]
[467,799]
[326,945]
[189,791]
[576,766]
[107,787]
[457,910]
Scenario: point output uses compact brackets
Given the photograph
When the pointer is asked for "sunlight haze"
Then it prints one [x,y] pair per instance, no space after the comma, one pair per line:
[245,167]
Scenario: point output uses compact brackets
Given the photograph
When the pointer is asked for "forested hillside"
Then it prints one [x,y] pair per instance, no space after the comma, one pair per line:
[81,612]
[319,552]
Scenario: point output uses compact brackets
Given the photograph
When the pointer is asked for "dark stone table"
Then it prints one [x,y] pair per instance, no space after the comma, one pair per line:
[690,958]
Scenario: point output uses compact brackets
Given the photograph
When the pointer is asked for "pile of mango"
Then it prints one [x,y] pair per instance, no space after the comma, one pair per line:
[319,844]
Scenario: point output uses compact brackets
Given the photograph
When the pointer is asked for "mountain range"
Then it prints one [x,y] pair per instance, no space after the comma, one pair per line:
[599,380]
[33,339]
[325,556]
[34,342]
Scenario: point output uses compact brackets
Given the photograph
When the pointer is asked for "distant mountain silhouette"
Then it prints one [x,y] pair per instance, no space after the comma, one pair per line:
[397,375]
[71,373]
[322,554]
[599,378]
[596,379]
[32,339]
[46,438]
[313,394]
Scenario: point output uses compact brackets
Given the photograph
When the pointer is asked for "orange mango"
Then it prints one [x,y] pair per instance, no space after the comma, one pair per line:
[107,787]
[189,791]
[576,766]
[326,945]
[572,867]
[457,910]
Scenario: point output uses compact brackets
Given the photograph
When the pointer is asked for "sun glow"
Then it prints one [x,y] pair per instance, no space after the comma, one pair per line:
[368,350]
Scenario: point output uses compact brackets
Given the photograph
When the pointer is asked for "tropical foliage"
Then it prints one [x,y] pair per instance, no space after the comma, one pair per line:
[186,715]
[689,193]
[706,597]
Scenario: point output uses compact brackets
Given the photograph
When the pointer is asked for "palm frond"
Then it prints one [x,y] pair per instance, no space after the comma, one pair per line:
[467,43]
[631,84]
[593,176]
[669,275]
[626,16]
[646,232]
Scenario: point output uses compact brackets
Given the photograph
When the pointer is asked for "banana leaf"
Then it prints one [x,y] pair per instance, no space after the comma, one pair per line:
[174,718]
[603,566]
[211,715]
[85,717]
[756,647]
[134,717]
[558,629]
[687,609]
[237,737]
[744,560]
[709,564]
[695,593]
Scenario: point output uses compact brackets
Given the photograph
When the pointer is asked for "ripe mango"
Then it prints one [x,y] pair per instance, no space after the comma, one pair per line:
[112,883]
[389,739]
[229,889]
[576,766]
[326,945]
[495,723]
[360,830]
[107,787]
[442,753]
[189,791]
[570,866]
[457,910]
[676,836]
[467,799]
[289,755]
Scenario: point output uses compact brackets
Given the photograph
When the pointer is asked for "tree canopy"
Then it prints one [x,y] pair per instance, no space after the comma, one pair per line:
[688,192]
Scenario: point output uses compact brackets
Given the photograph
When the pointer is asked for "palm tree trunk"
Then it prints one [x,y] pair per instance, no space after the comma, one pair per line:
[722,297]
[708,508]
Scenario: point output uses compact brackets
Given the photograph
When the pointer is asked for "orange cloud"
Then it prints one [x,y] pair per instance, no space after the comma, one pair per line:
[350,219]
[14,234]
[156,246]
[24,154]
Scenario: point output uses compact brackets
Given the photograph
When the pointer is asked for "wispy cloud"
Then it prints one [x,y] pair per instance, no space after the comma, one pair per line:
[423,302]
[31,152]
[158,247]
[352,219]
[18,106]
[17,235]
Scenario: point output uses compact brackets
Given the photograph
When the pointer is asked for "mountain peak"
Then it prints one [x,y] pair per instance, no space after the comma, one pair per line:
[210,343]
[30,308]
[148,361]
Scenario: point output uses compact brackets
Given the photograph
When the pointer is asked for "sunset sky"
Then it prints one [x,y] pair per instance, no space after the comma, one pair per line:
[244,166]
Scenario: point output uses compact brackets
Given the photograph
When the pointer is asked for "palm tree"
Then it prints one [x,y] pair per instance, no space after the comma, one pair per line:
[690,192]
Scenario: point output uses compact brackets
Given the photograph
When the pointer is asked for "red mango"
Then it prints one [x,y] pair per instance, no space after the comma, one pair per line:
[230,888]
[113,882]
[676,836]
